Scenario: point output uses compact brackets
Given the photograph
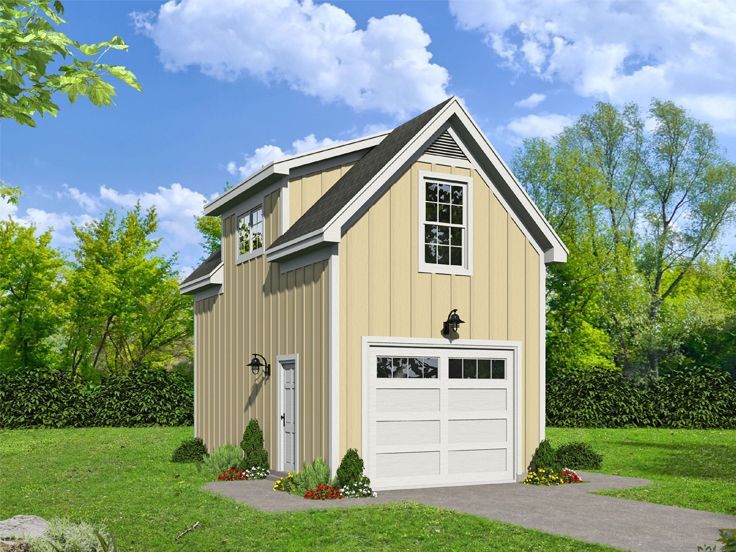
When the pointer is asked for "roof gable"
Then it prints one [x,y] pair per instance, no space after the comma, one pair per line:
[325,220]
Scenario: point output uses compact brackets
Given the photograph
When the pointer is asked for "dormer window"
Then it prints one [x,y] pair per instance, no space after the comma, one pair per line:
[444,215]
[250,233]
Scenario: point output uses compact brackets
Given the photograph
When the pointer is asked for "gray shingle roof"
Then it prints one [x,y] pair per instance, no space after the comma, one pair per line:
[207,266]
[327,206]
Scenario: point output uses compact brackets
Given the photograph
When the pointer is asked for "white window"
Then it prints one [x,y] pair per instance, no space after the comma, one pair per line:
[250,233]
[444,234]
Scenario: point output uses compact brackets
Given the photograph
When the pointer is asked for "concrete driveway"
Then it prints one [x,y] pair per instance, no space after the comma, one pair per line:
[569,510]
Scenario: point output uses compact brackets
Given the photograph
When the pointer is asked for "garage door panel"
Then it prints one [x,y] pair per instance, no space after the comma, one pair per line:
[476,399]
[407,400]
[403,464]
[412,432]
[476,461]
[476,431]
[435,429]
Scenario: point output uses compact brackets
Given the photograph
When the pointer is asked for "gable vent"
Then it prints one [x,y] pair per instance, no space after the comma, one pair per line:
[445,146]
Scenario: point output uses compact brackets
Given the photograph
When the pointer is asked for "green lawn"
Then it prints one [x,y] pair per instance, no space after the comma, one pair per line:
[123,478]
[688,468]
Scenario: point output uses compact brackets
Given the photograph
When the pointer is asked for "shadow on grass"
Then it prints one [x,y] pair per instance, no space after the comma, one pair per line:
[693,460]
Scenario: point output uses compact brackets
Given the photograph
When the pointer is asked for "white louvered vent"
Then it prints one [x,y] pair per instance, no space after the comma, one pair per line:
[445,146]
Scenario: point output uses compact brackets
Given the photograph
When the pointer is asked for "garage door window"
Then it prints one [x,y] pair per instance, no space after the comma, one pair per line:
[477,368]
[407,367]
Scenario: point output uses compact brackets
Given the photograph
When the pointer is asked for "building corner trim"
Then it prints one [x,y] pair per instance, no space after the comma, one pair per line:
[334,359]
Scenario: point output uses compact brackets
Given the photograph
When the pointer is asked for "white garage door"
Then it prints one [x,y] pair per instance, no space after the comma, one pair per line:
[439,416]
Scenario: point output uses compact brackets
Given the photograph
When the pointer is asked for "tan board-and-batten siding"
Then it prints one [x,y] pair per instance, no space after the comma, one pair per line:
[382,292]
[267,312]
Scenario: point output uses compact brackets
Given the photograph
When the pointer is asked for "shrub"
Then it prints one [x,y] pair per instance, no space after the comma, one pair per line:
[543,476]
[728,539]
[544,457]
[695,398]
[252,445]
[312,476]
[222,459]
[73,537]
[190,450]
[54,398]
[578,456]
[351,468]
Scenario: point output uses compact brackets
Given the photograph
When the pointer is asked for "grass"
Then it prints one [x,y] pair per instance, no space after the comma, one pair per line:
[688,467]
[123,478]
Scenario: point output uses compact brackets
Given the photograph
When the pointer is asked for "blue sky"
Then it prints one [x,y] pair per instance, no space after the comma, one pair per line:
[228,85]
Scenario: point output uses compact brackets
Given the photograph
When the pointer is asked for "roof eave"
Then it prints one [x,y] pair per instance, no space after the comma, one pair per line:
[214,278]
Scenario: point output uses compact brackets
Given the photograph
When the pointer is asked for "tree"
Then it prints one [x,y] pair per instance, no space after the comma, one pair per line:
[211,230]
[637,209]
[30,48]
[29,299]
[125,310]
[689,192]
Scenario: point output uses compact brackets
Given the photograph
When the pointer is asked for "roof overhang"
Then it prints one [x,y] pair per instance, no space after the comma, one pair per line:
[453,114]
[276,170]
[214,278]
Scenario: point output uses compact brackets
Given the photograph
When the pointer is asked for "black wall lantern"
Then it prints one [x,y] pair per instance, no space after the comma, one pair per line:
[452,323]
[256,365]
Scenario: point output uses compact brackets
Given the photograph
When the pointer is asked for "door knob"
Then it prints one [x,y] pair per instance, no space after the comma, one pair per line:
[283,420]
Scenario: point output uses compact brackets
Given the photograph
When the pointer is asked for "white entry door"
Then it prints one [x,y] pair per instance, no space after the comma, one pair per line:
[440,416]
[287,415]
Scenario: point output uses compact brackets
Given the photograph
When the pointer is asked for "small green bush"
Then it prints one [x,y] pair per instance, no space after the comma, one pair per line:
[190,450]
[544,457]
[252,445]
[728,539]
[351,468]
[68,536]
[578,456]
[312,476]
[222,458]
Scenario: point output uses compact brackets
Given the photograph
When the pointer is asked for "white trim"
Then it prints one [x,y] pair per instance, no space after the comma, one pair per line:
[208,292]
[282,167]
[467,267]
[213,278]
[514,347]
[246,211]
[448,161]
[542,348]
[307,258]
[285,213]
[279,408]
[334,360]
[293,247]
[194,367]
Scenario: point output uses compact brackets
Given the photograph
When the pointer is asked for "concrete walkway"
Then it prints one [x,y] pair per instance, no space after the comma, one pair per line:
[568,510]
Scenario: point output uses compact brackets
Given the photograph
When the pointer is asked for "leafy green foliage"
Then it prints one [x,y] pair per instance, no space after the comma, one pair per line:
[544,457]
[578,456]
[350,469]
[189,451]
[39,61]
[70,536]
[655,200]
[211,230]
[682,398]
[30,306]
[252,444]
[125,310]
[52,398]
[728,539]
[222,459]
[312,476]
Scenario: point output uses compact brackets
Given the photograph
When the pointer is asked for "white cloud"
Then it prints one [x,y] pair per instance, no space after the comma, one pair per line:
[682,50]
[263,155]
[538,126]
[316,48]
[83,199]
[532,101]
